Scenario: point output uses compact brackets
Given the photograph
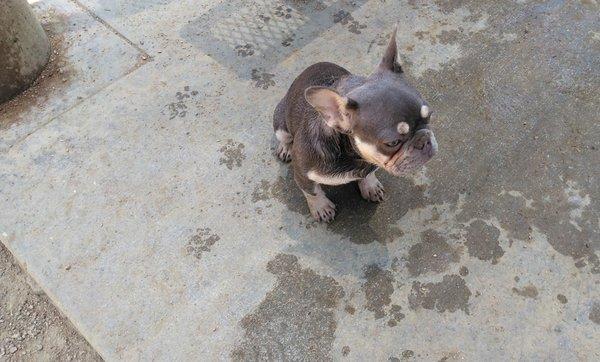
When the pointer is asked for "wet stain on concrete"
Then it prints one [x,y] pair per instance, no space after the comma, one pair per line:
[452,356]
[595,313]
[561,298]
[516,216]
[288,40]
[540,124]
[380,39]
[345,18]
[528,291]
[482,242]
[283,12]
[244,50]
[296,320]
[406,354]
[281,190]
[444,37]
[445,6]
[262,79]
[179,107]
[201,242]
[450,294]
[319,5]
[432,254]
[396,315]
[264,18]
[449,36]
[262,191]
[233,154]
[378,289]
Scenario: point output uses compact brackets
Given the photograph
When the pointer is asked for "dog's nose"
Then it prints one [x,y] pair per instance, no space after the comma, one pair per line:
[421,142]
[424,141]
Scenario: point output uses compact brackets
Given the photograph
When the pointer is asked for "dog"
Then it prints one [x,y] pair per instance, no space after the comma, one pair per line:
[336,128]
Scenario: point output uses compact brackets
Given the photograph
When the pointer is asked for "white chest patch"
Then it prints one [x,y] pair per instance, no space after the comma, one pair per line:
[332,180]
[369,151]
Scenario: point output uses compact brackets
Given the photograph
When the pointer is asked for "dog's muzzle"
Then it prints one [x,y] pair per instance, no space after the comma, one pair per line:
[413,154]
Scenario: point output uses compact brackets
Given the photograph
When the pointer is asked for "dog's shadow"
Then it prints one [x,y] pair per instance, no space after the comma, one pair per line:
[357,220]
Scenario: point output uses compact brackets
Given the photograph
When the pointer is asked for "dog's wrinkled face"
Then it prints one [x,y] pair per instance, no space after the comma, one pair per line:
[390,127]
[385,116]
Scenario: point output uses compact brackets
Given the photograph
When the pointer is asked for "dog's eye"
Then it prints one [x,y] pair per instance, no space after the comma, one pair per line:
[393,143]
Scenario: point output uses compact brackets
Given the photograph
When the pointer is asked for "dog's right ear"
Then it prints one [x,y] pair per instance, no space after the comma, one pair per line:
[335,109]
[390,57]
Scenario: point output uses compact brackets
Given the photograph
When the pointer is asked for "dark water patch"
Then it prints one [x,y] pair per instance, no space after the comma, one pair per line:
[296,320]
[482,242]
[450,294]
[378,289]
[432,254]
[528,291]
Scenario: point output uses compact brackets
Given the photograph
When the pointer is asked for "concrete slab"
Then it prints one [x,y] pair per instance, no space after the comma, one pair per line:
[156,217]
[87,56]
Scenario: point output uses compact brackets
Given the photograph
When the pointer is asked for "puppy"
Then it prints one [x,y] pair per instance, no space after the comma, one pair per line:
[337,128]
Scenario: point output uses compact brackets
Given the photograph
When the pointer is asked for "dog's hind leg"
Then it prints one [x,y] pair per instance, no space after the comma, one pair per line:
[284,137]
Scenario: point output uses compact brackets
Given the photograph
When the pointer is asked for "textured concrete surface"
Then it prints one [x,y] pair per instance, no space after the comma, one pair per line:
[31,328]
[24,46]
[153,212]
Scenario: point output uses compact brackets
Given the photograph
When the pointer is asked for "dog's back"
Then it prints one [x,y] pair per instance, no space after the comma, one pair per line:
[293,108]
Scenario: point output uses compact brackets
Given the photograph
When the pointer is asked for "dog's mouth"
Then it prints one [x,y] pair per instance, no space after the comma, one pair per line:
[413,154]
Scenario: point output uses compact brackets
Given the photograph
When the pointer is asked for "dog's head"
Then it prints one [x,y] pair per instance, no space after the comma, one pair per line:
[385,117]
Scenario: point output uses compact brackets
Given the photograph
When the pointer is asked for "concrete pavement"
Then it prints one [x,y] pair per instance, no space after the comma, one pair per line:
[143,195]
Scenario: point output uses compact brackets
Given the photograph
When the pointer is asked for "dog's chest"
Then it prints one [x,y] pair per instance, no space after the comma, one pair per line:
[341,173]
[332,179]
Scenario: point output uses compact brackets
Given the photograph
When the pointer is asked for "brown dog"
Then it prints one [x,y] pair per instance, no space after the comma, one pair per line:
[337,127]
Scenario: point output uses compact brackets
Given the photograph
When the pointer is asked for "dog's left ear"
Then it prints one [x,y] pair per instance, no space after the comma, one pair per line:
[390,58]
[335,109]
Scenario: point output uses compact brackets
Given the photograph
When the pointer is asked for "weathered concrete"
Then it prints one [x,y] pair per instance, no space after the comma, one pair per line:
[87,57]
[24,47]
[156,216]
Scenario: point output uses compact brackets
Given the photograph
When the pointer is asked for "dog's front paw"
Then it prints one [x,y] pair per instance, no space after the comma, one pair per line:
[284,151]
[371,189]
[322,209]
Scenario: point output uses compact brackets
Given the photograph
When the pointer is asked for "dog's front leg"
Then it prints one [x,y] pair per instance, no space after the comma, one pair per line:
[321,208]
[370,188]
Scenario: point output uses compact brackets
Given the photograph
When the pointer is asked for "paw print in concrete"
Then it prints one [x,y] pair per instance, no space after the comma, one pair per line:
[262,79]
[179,107]
[287,41]
[281,12]
[244,50]
[233,154]
[201,242]
[380,40]
[345,18]
[264,18]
